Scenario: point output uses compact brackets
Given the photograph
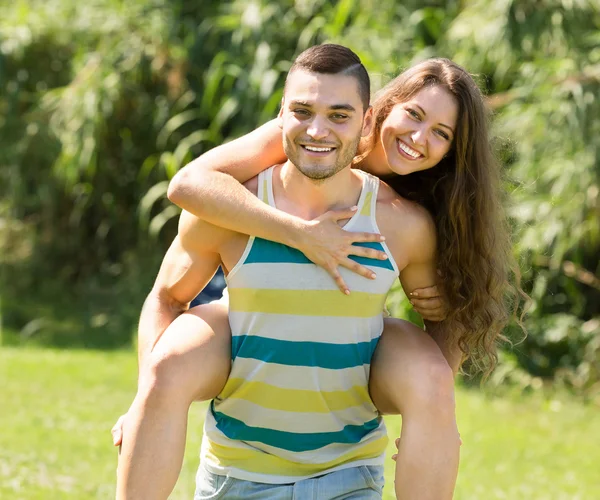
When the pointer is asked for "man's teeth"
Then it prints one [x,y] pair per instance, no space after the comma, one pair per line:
[318,150]
[409,151]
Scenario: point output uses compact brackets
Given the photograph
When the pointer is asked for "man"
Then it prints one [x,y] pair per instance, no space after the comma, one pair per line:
[295,418]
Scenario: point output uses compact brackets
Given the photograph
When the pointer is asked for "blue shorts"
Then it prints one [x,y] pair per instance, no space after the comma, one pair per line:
[363,482]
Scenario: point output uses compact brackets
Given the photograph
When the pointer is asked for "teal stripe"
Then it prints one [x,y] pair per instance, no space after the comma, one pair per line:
[385,264]
[267,252]
[291,441]
[270,252]
[320,354]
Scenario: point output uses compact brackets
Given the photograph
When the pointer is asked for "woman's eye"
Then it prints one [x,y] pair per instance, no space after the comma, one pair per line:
[413,113]
[443,134]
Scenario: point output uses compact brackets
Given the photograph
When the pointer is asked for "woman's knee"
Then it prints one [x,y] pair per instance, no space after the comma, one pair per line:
[191,360]
[409,371]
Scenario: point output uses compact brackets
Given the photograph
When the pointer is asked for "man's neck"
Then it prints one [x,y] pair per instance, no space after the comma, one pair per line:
[307,198]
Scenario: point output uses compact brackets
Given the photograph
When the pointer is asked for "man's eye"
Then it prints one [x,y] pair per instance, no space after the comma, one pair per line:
[300,111]
[339,116]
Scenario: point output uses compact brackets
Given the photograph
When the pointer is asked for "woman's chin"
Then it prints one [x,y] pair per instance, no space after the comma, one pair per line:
[402,168]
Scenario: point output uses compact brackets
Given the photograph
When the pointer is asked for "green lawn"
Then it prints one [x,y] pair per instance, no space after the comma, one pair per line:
[57,407]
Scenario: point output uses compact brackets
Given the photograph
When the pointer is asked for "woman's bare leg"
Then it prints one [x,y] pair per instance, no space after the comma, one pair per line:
[190,362]
[410,376]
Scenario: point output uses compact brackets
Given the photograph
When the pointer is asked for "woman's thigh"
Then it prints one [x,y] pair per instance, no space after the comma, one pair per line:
[193,356]
[407,366]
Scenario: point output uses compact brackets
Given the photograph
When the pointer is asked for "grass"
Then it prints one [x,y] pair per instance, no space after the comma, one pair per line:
[57,408]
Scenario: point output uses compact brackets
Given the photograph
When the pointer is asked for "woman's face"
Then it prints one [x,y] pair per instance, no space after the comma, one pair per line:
[418,133]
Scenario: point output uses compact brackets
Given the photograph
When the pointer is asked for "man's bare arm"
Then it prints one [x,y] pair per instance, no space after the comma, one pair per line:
[189,264]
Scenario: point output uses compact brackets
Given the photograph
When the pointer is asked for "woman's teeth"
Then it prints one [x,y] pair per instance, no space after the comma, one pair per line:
[408,150]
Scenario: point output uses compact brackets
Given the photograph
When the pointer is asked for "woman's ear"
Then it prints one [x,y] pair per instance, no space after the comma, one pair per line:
[367,122]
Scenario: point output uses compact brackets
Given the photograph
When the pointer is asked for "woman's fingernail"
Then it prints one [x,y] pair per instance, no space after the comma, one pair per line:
[382,238]
[373,276]
[415,294]
[354,208]
[347,292]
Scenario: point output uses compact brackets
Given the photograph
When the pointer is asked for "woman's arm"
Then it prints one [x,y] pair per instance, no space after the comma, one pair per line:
[210,188]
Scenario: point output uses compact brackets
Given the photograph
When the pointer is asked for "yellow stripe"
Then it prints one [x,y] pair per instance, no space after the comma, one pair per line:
[252,460]
[265,191]
[306,302]
[294,400]
[366,209]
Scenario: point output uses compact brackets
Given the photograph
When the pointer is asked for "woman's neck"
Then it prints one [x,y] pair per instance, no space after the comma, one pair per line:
[376,162]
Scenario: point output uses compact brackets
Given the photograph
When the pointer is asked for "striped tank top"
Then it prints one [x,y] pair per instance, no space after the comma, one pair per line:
[296,404]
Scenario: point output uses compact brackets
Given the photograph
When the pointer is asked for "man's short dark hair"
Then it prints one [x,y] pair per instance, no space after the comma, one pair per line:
[332,59]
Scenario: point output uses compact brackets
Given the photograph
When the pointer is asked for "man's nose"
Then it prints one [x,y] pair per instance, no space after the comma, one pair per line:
[318,129]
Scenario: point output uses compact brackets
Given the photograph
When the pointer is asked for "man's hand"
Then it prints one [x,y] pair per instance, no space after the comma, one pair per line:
[429,303]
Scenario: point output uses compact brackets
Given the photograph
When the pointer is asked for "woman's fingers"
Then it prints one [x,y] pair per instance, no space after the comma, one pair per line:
[425,293]
[427,304]
[369,253]
[117,431]
[357,268]
[339,281]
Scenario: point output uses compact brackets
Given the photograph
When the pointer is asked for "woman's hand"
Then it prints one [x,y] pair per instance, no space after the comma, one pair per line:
[326,244]
[429,303]
[117,431]
[397,443]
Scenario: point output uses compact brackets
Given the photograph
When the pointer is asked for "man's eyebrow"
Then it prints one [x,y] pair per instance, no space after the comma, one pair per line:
[336,107]
[301,103]
[345,107]
[440,124]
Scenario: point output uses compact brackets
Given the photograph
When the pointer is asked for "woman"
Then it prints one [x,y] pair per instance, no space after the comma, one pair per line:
[430,144]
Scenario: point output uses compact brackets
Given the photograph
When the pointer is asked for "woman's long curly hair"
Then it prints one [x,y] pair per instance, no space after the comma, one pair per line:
[479,279]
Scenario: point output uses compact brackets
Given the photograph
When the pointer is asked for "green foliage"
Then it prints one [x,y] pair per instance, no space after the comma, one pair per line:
[101,103]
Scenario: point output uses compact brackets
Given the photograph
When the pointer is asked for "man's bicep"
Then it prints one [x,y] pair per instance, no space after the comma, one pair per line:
[184,273]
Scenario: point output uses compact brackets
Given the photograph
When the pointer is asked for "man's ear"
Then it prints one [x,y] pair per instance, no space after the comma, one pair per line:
[368,122]
[280,114]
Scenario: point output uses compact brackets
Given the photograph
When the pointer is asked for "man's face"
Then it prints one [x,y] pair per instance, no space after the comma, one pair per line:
[322,119]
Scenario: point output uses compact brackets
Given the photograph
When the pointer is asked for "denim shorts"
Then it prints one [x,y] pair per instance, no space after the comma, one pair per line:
[363,482]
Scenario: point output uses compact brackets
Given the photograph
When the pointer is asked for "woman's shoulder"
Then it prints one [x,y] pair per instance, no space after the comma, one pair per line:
[404,220]
[388,200]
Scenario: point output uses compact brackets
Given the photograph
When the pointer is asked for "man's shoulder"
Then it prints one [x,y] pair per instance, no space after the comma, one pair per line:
[199,235]
[407,226]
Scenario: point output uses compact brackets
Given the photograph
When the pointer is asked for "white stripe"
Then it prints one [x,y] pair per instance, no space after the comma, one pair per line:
[300,377]
[286,276]
[299,422]
[326,329]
